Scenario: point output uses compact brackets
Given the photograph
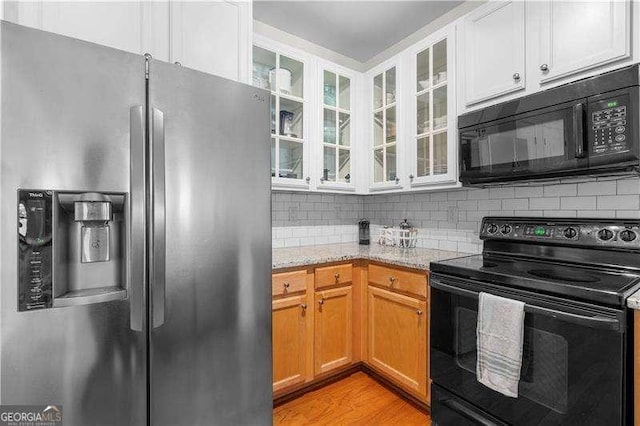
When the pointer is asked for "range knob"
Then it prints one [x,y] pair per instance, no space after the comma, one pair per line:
[492,228]
[505,229]
[570,233]
[627,236]
[605,234]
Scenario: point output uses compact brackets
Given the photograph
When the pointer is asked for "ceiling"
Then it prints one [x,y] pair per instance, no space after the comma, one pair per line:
[357,29]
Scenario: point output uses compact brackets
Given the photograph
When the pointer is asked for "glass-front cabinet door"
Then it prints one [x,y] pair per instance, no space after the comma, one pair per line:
[283,75]
[433,151]
[337,130]
[385,128]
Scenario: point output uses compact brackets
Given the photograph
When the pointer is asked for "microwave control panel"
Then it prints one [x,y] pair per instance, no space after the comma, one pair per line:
[608,121]
[35,217]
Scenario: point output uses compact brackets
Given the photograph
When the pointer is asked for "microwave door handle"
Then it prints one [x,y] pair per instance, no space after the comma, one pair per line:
[578,129]
[157,237]
[597,321]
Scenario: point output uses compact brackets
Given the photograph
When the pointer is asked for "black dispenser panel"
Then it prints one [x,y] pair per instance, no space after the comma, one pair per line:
[35,242]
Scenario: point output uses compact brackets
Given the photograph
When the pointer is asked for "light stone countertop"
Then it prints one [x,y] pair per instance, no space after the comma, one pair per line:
[418,258]
[633,301]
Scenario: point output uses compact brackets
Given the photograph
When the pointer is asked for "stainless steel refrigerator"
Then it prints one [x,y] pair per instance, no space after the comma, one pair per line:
[135,230]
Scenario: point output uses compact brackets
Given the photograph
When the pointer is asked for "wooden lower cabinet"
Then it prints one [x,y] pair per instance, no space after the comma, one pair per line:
[398,328]
[289,339]
[333,329]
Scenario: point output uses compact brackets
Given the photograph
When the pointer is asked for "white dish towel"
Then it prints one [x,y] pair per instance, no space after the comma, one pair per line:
[500,334]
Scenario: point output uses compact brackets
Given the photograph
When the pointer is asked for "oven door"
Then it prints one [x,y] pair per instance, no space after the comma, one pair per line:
[573,359]
[545,142]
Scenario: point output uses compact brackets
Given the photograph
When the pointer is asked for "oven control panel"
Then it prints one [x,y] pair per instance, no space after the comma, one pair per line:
[609,125]
[625,234]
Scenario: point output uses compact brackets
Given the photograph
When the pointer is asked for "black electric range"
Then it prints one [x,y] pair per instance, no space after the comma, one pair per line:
[574,276]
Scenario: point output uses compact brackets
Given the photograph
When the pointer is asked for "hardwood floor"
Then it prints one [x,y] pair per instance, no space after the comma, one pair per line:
[355,400]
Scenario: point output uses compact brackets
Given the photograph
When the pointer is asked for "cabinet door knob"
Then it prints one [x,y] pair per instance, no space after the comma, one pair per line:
[307,179]
[419,311]
[321,302]
[397,179]
[410,176]
[392,280]
[336,276]
[322,179]
[516,76]
[303,306]
[544,67]
[285,284]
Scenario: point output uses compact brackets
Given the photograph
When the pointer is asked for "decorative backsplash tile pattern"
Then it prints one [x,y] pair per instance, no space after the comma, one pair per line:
[450,220]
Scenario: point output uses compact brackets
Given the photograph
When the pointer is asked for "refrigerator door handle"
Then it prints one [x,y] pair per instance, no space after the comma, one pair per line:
[157,211]
[136,219]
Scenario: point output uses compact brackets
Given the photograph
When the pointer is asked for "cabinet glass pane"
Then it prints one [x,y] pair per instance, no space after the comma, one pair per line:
[263,62]
[344,165]
[391,162]
[290,76]
[329,126]
[273,115]
[423,71]
[345,93]
[390,88]
[423,157]
[391,125]
[377,128]
[377,91]
[329,169]
[290,118]
[440,153]
[378,165]
[422,107]
[273,157]
[345,129]
[440,108]
[440,62]
[329,88]
[290,159]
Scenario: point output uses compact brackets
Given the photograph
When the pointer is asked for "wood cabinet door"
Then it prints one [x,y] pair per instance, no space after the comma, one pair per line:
[289,340]
[493,51]
[333,329]
[577,36]
[398,335]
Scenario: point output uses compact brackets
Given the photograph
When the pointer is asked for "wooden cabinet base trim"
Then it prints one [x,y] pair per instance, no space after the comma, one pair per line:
[290,394]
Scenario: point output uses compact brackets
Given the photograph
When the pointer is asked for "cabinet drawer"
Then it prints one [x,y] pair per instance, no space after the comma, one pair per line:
[288,282]
[327,276]
[398,279]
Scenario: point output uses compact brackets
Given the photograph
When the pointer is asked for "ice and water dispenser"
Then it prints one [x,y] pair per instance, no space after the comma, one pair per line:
[72,248]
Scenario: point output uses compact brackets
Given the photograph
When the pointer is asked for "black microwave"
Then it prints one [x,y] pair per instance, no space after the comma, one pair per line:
[587,127]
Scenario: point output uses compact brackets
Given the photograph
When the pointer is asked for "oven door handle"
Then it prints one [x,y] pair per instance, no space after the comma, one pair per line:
[596,321]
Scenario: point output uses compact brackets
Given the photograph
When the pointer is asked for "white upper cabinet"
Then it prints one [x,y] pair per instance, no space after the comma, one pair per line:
[493,46]
[577,36]
[336,138]
[210,36]
[432,135]
[117,24]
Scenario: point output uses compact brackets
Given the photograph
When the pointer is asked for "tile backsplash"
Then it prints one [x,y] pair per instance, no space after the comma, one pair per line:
[448,220]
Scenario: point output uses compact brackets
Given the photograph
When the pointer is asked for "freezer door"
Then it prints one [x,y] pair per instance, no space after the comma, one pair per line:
[210,250]
[66,125]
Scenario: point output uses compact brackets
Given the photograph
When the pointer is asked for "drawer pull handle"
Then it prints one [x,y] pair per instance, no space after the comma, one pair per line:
[336,276]
[419,311]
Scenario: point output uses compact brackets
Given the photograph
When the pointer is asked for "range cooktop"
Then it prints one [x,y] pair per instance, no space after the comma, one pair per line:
[584,259]
[590,284]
